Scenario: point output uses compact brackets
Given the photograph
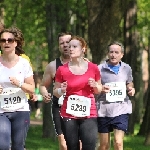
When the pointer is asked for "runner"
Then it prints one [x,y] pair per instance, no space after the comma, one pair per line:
[113,103]
[22,54]
[80,80]
[16,79]
[48,79]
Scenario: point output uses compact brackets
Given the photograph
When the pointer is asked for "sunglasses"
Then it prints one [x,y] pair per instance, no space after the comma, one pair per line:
[10,40]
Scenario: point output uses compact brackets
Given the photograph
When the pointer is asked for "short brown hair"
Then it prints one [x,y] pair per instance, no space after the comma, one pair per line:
[64,33]
[116,43]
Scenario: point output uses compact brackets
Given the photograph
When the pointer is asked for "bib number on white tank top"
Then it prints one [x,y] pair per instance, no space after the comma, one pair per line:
[78,106]
[12,99]
[117,91]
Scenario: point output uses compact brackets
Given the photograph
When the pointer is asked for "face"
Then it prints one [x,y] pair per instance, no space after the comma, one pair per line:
[64,45]
[76,49]
[7,42]
[115,54]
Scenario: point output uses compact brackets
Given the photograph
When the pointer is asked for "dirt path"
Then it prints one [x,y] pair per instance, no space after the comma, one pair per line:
[36,122]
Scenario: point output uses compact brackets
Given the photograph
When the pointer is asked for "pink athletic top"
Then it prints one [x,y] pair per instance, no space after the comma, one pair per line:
[78,85]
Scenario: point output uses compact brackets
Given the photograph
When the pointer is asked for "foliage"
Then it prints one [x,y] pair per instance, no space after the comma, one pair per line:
[29,16]
[143,21]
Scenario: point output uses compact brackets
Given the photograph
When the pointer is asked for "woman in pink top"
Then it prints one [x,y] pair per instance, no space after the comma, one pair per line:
[80,80]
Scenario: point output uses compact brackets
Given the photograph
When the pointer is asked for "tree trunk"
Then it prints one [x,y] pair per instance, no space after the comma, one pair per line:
[145,126]
[147,140]
[133,58]
[104,17]
[146,122]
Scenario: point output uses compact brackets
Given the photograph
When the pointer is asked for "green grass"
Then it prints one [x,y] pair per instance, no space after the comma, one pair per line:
[134,142]
[35,141]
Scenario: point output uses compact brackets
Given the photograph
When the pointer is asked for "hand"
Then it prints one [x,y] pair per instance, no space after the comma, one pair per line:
[131,91]
[33,97]
[105,88]
[63,87]
[1,89]
[92,82]
[47,97]
[14,81]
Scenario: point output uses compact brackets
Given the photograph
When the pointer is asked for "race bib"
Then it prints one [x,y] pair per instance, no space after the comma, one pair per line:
[12,99]
[78,106]
[117,91]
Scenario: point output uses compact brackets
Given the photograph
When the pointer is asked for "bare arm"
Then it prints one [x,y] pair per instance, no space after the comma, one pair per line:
[47,80]
[59,89]
[28,86]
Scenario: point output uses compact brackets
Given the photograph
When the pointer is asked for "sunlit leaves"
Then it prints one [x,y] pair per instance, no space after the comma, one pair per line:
[29,16]
[143,20]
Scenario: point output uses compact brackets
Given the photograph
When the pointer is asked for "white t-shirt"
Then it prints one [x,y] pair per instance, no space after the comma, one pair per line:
[21,71]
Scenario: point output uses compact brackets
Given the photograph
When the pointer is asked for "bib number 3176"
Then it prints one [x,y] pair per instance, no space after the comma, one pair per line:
[117,91]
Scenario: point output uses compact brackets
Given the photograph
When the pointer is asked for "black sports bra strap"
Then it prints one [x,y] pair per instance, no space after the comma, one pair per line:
[58,63]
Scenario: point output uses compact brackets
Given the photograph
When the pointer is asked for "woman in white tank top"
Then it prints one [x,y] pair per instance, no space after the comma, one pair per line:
[16,79]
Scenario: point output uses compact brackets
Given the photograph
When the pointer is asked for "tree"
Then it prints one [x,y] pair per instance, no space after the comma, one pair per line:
[104,18]
[143,27]
[132,49]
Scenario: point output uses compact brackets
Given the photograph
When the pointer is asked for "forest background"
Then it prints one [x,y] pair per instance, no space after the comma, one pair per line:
[99,22]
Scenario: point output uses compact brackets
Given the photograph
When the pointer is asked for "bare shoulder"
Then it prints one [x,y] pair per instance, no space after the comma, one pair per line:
[51,68]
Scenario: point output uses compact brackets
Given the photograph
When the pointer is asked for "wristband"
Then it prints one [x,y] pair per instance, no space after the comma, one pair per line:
[20,84]
[59,92]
